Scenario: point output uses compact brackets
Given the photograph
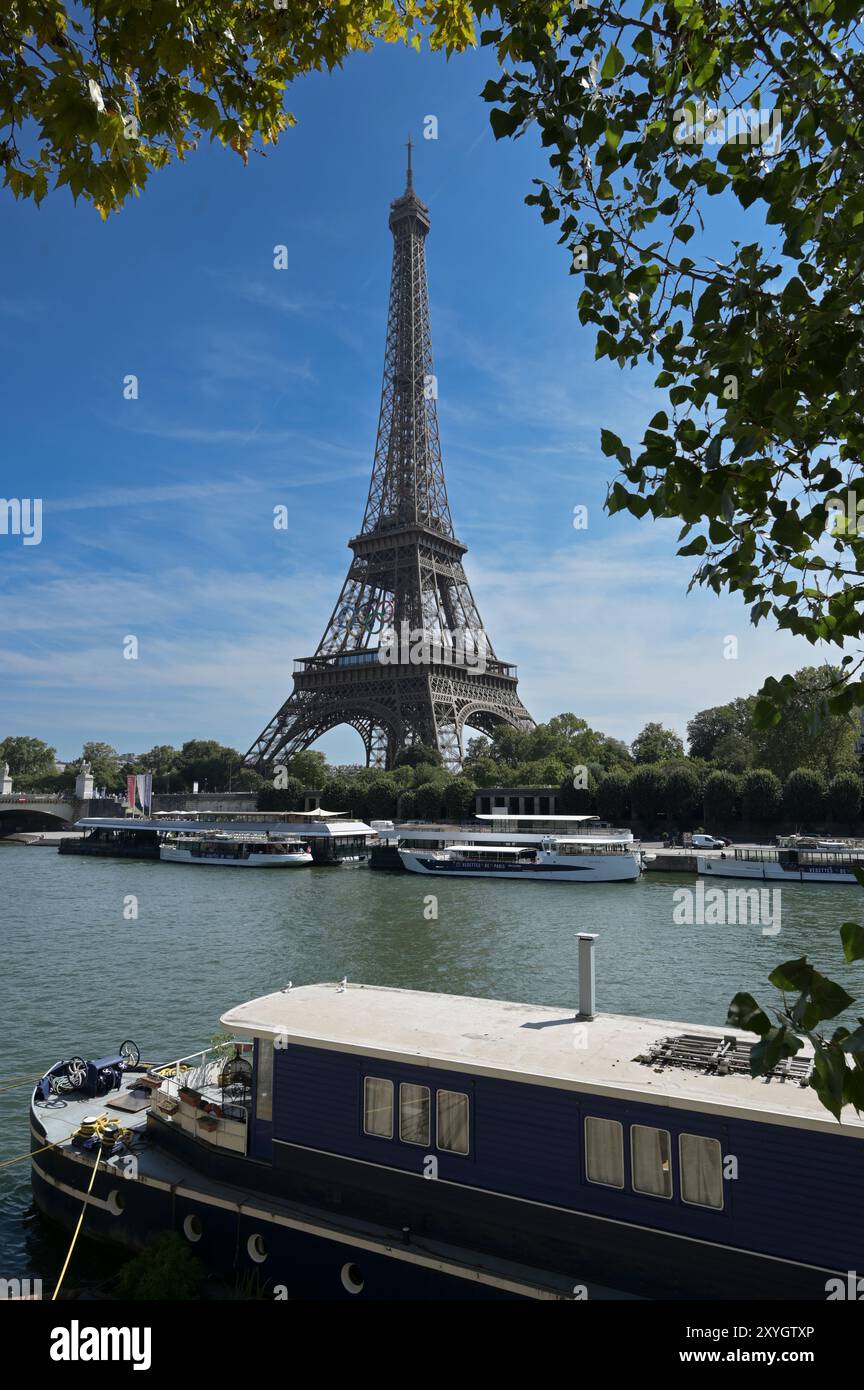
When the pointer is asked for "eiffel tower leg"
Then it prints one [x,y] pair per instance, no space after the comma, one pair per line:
[290,731]
[449,735]
[378,747]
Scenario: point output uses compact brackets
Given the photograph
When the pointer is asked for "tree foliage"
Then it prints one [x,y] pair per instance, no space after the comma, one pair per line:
[838,1071]
[613,795]
[428,801]
[761,796]
[646,792]
[757,344]
[655,744]
[95,97]
[804,796]
[27,756]
[286,797]
[681,792]
[844,797]
[720,799]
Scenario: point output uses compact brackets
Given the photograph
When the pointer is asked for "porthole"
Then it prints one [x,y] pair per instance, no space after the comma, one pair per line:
[256,1248]
[115,1203]
[192,1228]
[352,1279]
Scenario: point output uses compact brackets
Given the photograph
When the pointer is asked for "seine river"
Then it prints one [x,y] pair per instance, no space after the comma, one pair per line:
[79,976]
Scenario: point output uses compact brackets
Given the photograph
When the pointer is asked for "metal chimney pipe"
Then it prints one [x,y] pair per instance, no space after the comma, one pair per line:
[586,974]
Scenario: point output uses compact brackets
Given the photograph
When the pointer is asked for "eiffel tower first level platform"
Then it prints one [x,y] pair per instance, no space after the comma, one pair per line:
[404,659]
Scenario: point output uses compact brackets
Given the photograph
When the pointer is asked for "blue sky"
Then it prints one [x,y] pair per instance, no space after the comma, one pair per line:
[260,387]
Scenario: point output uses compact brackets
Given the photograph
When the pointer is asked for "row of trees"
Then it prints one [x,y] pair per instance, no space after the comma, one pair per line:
[725,738]
[681,794]
[686,799]
[32,765]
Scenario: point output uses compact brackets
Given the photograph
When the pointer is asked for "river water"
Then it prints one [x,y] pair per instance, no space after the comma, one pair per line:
[80,974]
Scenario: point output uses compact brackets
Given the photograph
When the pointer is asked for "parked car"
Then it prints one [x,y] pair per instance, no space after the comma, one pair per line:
[708,842]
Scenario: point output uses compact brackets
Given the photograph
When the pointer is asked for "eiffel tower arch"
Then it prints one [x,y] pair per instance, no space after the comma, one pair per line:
[405,658]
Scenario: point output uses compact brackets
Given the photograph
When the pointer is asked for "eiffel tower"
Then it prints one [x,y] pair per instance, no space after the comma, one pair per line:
[404,659]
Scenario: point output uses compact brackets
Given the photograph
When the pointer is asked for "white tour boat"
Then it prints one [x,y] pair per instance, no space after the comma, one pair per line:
[814,863]
[246,853]
[558,859]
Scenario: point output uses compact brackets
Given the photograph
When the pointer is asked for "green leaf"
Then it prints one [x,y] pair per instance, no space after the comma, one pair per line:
[612,64]
[745,1013]
[793,974]
[852,937]
[504,122]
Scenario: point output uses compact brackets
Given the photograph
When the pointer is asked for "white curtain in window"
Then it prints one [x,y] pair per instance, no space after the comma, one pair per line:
[378,1107]
[604,1151]
[652,1164]
[453,1122]
[701,1171]
[414,1114]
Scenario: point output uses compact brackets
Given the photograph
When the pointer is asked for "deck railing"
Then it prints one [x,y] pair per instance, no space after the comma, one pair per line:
[183,1073]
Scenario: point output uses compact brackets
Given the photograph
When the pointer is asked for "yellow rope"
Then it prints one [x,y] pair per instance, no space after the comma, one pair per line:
[78,1227]
[32,1154]
[28,1081]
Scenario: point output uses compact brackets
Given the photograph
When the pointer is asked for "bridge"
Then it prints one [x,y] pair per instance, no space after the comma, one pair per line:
[28,811]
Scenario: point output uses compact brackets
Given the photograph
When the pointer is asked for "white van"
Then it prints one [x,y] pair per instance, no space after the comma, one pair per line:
[707,842]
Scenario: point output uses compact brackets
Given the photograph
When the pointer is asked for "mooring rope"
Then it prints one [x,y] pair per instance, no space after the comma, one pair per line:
[78,1227]
[7,1163]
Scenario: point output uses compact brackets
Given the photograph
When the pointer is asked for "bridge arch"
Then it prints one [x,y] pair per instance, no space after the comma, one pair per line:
[22,819]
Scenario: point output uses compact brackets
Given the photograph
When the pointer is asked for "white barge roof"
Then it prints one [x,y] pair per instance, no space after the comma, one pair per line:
[526,1043]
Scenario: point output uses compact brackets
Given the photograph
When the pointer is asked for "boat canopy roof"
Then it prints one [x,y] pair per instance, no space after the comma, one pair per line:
[263,825]
[552,839]
[529,1043]
[492,849]
[517,815]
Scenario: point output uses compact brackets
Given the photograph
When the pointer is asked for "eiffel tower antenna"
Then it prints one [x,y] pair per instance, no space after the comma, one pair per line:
[404,659]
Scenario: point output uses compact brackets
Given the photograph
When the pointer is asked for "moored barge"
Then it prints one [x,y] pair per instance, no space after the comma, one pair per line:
[388,1143]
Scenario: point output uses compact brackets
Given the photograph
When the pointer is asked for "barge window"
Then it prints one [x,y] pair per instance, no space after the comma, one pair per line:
[414,1114]
[604,1151]
[701,1171]
[651,1156]
[452,1121]
[264,1081]
[378,1107]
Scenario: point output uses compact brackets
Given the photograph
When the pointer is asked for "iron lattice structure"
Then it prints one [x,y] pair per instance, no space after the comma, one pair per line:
[406,575]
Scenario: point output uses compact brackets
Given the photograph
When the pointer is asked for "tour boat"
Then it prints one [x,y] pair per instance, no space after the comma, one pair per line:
[362,1141]
[528,831]
[238,853]
[787,864]
[559,859]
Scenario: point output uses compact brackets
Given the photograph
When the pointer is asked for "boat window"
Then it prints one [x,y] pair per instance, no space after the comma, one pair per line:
[701,1171]
[264,1081]
[452,1121]
[604,1151]
[378,1107]
[651,1156]
[414,1119]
